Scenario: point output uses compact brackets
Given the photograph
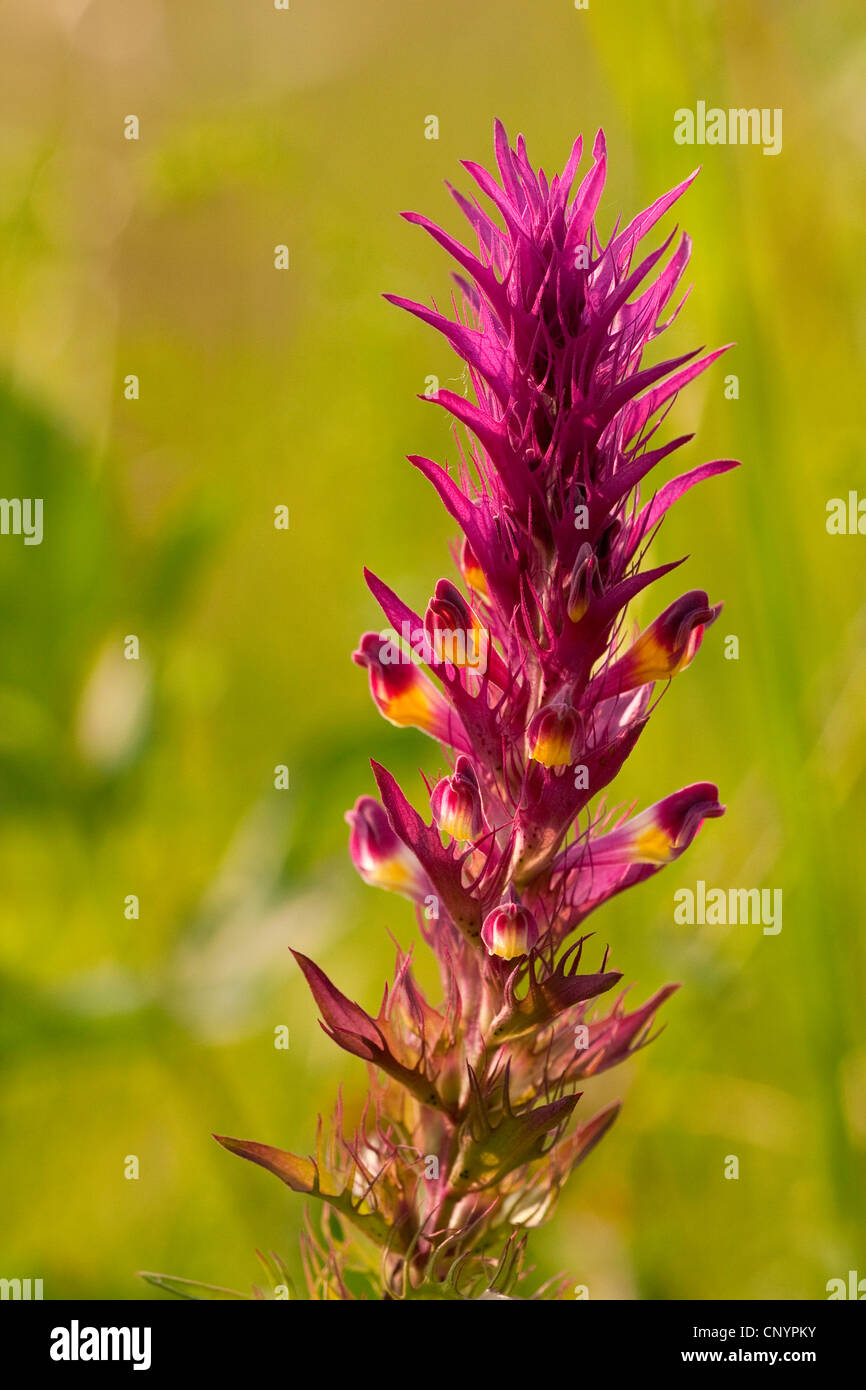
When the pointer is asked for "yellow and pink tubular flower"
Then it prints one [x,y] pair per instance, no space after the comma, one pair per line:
[403,694]
[661,833]
[380,857]
[667,646]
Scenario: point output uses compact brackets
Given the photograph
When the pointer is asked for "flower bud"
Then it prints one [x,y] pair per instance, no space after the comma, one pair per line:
[452,629]
[456,803]
[581,588]
[552,732]
[472,571]
[509,931]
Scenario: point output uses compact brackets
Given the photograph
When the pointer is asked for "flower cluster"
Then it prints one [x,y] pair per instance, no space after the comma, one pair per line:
[467,1136]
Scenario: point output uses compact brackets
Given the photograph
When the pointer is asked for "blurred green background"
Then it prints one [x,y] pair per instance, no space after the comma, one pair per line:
[260,388]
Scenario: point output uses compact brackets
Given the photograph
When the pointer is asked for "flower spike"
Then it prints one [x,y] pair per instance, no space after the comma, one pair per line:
[522,674]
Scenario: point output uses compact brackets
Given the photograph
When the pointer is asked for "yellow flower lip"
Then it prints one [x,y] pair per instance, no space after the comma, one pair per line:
[553,750]
[653,845]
